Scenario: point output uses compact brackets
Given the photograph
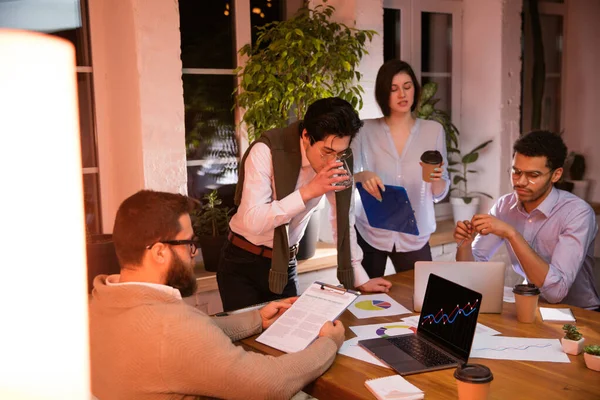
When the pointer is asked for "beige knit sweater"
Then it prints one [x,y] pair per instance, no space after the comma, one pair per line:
[146,344]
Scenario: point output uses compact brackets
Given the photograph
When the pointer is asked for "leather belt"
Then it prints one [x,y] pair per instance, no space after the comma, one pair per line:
[263,251]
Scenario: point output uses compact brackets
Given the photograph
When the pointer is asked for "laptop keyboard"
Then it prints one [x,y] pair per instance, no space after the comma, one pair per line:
[421,350]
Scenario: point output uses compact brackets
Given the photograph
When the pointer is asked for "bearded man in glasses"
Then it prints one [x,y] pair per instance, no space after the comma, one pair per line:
[146,343]
[549,232]
[283,176]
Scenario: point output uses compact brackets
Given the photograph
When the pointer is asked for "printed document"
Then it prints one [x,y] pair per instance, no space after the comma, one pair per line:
[299,326]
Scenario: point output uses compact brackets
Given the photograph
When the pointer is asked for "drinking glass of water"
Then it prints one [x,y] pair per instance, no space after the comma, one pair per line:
[347,182]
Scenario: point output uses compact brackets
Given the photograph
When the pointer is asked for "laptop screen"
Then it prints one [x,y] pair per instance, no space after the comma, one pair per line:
[449,315]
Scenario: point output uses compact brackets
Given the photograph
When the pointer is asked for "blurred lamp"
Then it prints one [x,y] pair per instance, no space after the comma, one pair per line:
[44,351]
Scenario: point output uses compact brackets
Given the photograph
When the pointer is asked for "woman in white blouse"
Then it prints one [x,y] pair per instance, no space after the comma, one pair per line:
[387,151]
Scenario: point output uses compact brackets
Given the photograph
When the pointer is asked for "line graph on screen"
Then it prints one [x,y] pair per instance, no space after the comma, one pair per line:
[442,317]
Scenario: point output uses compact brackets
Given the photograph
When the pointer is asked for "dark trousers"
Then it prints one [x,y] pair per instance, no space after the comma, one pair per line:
[243,278]
[374,260]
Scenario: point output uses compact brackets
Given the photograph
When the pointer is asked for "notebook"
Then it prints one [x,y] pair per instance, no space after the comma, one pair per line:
[486,278]
[393,212]
[394,387]
[300,324]
[444,334]
[557,314]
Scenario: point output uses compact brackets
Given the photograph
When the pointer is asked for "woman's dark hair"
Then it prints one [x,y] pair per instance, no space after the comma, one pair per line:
[383,84]
[542,143]
[330,116]
[144,219]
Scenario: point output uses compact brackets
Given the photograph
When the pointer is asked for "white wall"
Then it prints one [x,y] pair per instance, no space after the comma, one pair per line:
[491,89]
[511,87]
[367,15]
[139,99]
[582,85]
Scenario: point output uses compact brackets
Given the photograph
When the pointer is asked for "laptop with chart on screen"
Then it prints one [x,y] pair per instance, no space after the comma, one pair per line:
[444,335]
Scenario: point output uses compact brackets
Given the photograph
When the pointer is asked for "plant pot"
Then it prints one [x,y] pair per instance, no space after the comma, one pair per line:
[101,258]
[573,347]
[592,361]
[211,250]
[463,211]
[308,244]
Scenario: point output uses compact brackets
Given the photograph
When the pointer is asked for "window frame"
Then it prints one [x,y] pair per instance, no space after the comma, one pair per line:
[89,71]
[558,9]
[242,35]
[410,50]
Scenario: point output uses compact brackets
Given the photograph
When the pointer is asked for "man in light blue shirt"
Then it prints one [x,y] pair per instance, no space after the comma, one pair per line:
[549,233]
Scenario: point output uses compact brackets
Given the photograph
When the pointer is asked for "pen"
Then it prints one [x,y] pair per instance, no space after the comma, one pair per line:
[241,310]
[463,240]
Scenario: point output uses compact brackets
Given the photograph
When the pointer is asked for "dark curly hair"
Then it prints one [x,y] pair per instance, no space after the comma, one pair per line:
[542,143]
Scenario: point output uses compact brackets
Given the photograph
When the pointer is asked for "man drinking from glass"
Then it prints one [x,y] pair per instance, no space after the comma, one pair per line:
[282,178]
[549,233]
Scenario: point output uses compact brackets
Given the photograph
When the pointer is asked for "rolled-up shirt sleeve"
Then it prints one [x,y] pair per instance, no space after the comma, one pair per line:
[259,211]
[569,254]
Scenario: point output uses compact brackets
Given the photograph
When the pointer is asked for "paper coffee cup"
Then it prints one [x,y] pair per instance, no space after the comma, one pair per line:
[526,301]
[430,160]
[473,381]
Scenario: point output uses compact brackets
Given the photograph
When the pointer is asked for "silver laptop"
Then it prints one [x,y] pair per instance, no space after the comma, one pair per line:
[486,278]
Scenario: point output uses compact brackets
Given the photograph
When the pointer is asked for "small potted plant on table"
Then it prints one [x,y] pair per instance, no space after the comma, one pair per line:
[572,342]
[592,357]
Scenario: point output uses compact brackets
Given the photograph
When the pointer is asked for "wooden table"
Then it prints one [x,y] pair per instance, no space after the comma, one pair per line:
[512,379]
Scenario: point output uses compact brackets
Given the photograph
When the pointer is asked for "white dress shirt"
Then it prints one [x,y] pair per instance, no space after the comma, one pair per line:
[374,150]
[259,212]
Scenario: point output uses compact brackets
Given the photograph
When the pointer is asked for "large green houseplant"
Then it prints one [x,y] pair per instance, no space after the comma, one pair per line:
[295,62]
[210,224]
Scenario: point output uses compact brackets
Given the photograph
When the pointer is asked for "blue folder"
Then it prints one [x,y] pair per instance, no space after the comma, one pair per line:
[393,213]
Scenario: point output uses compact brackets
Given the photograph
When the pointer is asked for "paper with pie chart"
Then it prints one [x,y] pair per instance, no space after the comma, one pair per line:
[382,330]
[377,305]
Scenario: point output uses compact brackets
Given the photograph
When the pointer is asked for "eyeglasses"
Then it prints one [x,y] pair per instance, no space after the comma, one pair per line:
[532,177]
[342,155]
[191,242]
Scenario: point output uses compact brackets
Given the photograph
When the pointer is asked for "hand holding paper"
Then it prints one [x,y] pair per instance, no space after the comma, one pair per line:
[274,309]
[307,318]
[334,330]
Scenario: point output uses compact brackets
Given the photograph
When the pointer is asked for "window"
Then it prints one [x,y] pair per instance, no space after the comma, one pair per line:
[426,34]
[211,35]
[550,107]
[70,23]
